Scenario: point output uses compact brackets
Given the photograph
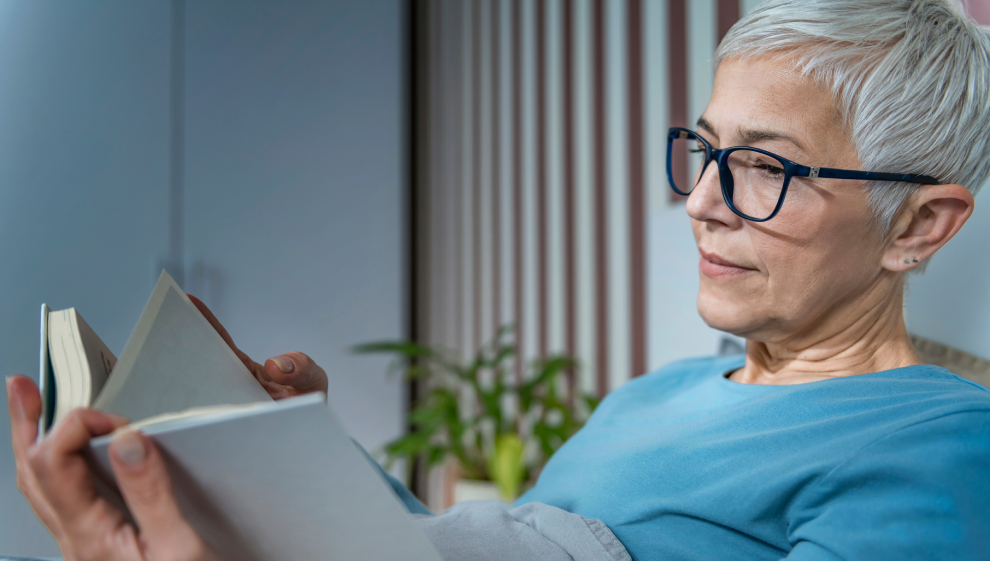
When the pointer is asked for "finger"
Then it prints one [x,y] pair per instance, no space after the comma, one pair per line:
[213,321]
[24,406]
[250,364]
[73,433]
[147,489]
[296,371]
[58,462]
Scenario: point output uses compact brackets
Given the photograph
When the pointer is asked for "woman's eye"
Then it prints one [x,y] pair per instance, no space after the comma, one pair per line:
[769,168]
[696,150]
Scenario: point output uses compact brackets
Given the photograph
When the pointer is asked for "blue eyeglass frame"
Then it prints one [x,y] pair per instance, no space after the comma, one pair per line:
[791,169]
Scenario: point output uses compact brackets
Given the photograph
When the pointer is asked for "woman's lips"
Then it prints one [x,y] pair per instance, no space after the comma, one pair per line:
[711,265]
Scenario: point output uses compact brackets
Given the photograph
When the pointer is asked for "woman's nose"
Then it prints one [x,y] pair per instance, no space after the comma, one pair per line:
[706,203]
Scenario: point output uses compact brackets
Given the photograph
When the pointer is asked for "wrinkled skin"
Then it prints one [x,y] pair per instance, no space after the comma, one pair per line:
[817,290]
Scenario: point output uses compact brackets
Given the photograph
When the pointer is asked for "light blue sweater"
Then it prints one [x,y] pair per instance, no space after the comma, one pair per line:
[684,464]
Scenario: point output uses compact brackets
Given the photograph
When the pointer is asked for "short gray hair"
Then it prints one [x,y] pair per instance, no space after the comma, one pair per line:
[911,79]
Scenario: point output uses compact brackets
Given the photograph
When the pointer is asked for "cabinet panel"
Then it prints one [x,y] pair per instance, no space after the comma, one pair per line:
[293,214]
[84,118]
[293,186]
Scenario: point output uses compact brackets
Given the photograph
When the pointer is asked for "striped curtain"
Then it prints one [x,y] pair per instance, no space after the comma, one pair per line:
[541,145]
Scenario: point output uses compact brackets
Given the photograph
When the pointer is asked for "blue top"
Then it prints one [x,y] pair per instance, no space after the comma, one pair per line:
[686,464]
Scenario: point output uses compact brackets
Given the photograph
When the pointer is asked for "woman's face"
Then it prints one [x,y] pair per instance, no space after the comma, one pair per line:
[815,267]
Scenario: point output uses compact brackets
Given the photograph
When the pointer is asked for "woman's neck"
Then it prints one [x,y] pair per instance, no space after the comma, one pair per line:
[873,338]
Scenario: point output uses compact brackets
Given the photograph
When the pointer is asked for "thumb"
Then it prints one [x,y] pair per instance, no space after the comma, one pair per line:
[147,489]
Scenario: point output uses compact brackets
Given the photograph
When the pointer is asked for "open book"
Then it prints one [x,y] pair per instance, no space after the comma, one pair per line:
[258,479]
[174,360]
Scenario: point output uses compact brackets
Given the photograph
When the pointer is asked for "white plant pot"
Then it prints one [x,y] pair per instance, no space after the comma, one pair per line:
[471,490]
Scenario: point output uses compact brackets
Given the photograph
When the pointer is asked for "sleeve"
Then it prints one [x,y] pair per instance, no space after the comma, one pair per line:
[495,531]
[412,504]
[922,492]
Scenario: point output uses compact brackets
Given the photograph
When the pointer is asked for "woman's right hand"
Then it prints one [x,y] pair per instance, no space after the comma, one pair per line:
[54,476]
[287,375]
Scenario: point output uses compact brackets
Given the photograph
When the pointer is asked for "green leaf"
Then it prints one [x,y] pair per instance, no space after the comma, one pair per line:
[415,371]
[545,436]
[499,355]
[436,455]
[427,416]
[408,446]
[548,368]
[591,402]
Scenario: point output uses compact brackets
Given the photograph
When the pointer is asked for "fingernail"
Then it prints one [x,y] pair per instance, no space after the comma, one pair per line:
[284,364]
[129,447]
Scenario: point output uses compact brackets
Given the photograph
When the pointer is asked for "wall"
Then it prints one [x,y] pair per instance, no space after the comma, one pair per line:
[292,182]
[294,187]
[950,302]
[83,179]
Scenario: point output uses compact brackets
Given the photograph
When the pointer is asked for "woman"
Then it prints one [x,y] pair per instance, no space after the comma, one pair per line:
[829,439]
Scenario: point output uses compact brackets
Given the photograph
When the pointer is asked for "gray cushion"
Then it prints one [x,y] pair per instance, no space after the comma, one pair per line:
[966,365]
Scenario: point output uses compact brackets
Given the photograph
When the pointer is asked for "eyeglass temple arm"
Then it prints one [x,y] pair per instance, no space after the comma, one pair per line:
[832,173]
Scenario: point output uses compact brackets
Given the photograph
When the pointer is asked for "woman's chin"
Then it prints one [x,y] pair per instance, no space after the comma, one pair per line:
[727,315]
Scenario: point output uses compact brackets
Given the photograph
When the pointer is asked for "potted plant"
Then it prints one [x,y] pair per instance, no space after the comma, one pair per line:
[496,429]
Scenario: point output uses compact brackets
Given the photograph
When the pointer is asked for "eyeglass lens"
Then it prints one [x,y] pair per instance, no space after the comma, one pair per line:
[756,178]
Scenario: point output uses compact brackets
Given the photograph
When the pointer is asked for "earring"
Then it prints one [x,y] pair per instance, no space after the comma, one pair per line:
[909,261]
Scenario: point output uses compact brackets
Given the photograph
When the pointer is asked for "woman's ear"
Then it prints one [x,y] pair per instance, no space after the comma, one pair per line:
[929,219]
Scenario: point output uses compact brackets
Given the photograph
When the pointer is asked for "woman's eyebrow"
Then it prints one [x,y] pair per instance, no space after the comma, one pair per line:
[748,137]
[703,124]
[752,136]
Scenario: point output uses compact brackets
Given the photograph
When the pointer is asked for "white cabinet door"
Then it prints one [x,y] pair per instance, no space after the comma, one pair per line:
[84,121]
[294,183]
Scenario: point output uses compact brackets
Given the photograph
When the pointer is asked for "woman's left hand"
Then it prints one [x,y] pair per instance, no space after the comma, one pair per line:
[55,478]
[286,375]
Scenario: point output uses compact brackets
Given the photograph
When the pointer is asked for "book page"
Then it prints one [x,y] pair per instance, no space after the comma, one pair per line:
[175,360]
[69,364]
[80,360]
[99,359]
[195,415]
[282,480]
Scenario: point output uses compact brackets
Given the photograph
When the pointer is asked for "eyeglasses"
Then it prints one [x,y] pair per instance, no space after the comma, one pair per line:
[754,182]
